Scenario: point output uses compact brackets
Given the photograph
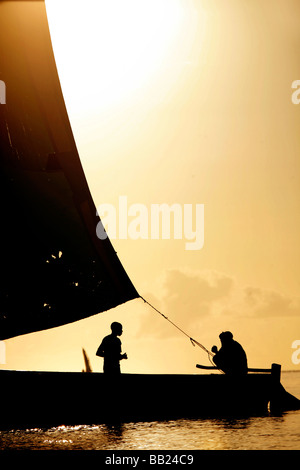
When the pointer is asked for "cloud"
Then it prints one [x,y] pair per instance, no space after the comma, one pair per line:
[189,297]
[268,303]
[185,297]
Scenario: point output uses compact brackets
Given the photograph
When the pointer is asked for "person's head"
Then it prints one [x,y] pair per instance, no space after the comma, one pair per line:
[116,328]
[226,337]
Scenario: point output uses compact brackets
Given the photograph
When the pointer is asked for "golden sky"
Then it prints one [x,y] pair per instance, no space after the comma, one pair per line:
[188,102]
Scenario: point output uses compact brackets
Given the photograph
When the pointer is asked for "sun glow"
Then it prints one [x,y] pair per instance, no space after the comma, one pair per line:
[108,50]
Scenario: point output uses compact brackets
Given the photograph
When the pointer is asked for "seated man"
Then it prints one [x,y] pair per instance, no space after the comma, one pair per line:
[231,357]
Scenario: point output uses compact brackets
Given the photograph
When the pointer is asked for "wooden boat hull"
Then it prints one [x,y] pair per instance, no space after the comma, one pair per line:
[54,398]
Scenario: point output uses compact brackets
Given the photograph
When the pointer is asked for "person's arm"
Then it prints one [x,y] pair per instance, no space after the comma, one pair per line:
[100,350]
[121,356]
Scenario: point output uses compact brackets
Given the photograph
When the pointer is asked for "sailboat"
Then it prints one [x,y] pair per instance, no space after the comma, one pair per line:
[55,270]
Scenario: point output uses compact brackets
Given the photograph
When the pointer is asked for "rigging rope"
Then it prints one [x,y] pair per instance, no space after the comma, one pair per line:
[192,340]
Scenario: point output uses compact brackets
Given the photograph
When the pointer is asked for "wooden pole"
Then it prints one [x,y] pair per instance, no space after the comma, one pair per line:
[276,372]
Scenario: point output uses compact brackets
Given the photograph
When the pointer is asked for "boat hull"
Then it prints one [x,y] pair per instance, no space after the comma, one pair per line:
[55,398]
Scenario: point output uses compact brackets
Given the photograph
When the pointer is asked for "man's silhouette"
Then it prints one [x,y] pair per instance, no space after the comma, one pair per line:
[231,357]
[111,350]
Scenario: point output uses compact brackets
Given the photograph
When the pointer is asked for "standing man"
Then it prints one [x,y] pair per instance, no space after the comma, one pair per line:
[231,357]
[110,349]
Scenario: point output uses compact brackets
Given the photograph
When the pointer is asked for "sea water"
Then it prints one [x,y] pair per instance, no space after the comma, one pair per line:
[252,433]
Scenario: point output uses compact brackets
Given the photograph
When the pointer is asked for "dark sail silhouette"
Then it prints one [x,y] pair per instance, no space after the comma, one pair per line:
[54,270]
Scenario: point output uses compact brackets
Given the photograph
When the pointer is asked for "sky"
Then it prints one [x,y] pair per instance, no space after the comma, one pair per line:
[186,102]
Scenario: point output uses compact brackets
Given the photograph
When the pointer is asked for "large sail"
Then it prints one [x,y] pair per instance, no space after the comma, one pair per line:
[54,270]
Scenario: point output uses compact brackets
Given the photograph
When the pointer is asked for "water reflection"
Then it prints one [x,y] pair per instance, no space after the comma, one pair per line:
[232,423]
[266,432]
[114,433]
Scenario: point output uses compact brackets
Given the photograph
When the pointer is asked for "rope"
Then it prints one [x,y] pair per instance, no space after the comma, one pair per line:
[192,340]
